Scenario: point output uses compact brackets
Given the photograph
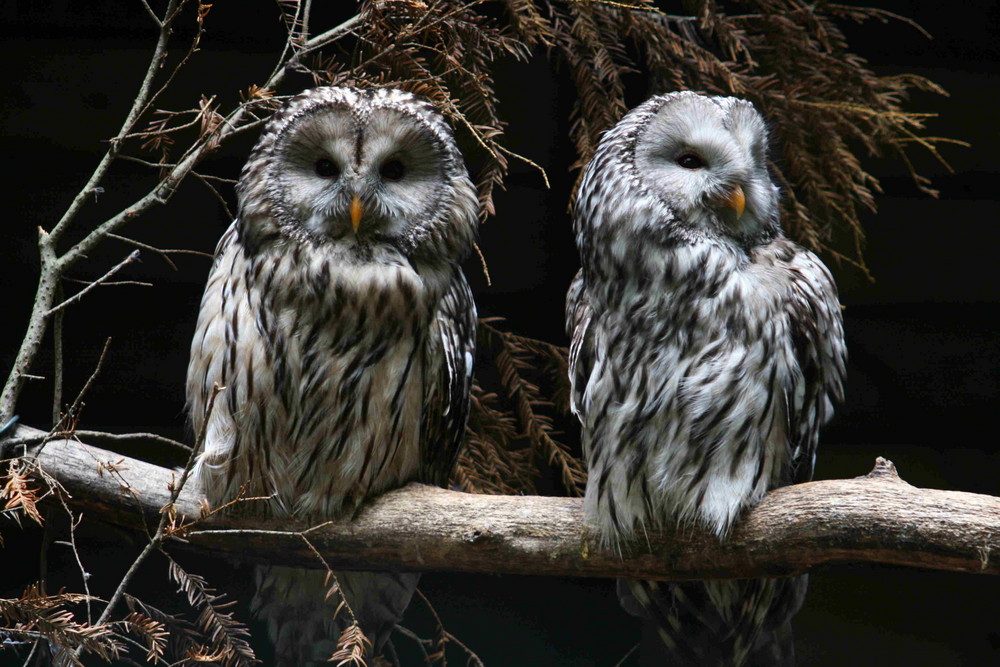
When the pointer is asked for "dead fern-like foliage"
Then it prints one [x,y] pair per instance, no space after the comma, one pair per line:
[491,464]
[182,639]
[228,643]
[789,57]
[35,616]
[17,494]
[152,632]
[351,647]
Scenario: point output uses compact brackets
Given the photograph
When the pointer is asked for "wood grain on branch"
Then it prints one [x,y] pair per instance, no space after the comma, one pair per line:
[877,518]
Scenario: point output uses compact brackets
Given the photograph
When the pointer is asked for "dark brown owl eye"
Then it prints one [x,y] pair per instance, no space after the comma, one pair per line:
[690,161]
[392,170]
[326,168]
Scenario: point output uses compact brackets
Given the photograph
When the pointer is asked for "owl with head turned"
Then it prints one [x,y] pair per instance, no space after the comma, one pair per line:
[342,328]
[707,351]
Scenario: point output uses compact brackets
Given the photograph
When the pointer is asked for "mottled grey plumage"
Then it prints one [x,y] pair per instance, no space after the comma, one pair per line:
[339,321]
[707,352]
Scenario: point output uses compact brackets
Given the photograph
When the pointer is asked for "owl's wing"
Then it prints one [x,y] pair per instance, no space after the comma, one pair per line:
[452,348]
[205,367]
[578,317]
[817,331]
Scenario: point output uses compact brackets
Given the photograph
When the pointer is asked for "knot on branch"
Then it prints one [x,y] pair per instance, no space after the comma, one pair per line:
[884,470]
[477,535]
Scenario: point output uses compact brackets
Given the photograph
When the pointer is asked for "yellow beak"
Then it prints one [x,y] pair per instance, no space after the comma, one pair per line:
[735,200]
[356,212]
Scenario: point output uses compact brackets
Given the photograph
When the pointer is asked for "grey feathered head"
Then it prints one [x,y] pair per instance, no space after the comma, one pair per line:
[359,168]
[684,166]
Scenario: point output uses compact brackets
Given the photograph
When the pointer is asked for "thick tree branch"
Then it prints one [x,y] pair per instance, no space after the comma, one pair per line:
[877,519]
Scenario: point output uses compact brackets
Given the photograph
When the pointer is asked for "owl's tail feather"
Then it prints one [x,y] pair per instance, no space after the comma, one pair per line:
[300,616]
[738,623]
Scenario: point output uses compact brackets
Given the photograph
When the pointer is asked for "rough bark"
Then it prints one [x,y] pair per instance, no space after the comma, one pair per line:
[877,518]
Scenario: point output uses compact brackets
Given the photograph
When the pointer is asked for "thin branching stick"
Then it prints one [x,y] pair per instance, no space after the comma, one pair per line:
[132,257]
[74,522]
[54,265]
[167,516]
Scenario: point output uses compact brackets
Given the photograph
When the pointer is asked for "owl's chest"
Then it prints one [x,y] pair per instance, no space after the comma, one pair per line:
[690,298]
[343,365]
[340,322]
[686,394]
[321,294]
[340,326]
[677,344]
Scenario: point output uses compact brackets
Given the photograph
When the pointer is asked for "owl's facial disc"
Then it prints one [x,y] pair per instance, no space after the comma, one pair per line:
[731,196]
[706,161]
[369,176]
[313,173]
[402,166]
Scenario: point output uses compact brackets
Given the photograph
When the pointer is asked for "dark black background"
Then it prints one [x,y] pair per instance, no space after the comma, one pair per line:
[924,370]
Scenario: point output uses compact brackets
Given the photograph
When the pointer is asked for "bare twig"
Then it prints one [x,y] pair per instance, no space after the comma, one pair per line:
[69,419]
[628,654]
[58,363]
[166,515]
[163,252]
[141,99]
[152,14]
[218,196]
[54,265]
[96,436]
[445,637]
[111,283]
[440,645]
[418,640]
[133,437]
[84,575]
[132,257]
